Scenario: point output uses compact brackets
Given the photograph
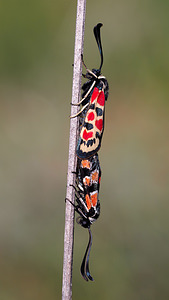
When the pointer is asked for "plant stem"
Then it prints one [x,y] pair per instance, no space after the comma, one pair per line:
[72,159]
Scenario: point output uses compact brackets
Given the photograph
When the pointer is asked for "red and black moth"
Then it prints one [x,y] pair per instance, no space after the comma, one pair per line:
[95,93]
[88,173]
[88,205]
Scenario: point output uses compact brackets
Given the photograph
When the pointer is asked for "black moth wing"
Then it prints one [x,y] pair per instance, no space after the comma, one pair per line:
[88,182]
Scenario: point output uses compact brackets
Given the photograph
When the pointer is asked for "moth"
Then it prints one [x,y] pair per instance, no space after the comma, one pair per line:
[95,93]
[88,204]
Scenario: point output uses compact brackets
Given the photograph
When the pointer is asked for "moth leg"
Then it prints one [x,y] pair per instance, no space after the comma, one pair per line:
[73,186]
[83,62]
[73,116]
[66,199]
[77,192]
[76,207]
[88,92]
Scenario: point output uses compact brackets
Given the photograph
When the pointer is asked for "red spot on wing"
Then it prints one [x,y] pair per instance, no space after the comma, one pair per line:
[99,179]
[87,135]
[99,124]
[101,99]
[95,94]
[90,116]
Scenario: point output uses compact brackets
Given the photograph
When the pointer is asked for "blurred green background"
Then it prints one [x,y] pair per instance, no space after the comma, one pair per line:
[130,253]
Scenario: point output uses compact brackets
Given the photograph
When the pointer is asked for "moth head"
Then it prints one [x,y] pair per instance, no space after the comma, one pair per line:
[97,72]
[92,75]
[84,222]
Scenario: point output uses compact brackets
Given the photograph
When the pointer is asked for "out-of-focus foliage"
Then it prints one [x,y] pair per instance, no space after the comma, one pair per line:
[130,254]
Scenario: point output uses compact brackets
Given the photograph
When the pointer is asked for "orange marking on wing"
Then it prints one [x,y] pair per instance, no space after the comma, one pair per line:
[94,199]
[95,94]
[86,181]
[85,163]
[88,203]
[95,176]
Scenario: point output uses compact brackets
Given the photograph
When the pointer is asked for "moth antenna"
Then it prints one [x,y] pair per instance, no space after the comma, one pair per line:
[96,31]
[85,263]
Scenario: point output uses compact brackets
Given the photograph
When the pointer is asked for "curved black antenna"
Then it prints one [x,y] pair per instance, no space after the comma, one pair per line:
[85,263]
[96,31]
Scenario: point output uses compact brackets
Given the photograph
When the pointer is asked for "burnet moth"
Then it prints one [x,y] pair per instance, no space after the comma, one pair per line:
[88,173]
[95,92]
[88,205]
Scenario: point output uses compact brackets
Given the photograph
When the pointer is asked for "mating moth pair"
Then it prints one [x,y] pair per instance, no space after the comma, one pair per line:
[88,173]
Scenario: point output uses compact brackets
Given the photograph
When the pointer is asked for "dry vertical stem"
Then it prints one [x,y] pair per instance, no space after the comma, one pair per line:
[69,213]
